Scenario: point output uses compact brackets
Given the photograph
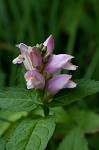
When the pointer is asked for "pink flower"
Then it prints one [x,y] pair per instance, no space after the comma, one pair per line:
[57,62]
[49,43]
[30,56]
[55,84]
[25,56]
[34,79]
[36,57]
[48,64]
[18,60]
[22,46]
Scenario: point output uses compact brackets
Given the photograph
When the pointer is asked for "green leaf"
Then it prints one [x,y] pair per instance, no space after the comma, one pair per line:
[32,134]
[86,120]
[84,88]
[7,118]
[17,99]
[2,143]
[74,141]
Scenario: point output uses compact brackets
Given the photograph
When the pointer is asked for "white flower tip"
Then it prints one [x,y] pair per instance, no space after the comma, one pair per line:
[28,88]
[73,67]
[70,66]
[71,84]
[76,67]
[18,60]
[70,57]
[51,36]
[14,61]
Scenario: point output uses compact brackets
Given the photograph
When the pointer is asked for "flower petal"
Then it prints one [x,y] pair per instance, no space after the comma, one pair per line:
[22,46]
[56,62]
[34,79]
[71,84]
[18,60]
[55,84]
[70,66]
[27,61]
[49,43]
[36,57]
[25,50]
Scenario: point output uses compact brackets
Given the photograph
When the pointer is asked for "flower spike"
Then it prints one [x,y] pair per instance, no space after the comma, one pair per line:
[42,67]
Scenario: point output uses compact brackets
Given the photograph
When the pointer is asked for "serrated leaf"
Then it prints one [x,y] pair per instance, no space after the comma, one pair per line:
[84,88]
[75,140]
[32,134]
[17,99]
[7,118]
[2,143]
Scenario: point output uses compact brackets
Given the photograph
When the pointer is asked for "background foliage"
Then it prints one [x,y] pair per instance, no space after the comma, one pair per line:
[75,27]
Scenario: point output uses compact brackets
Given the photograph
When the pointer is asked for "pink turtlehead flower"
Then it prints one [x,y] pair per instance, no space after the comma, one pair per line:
[57,62]
[36,57]
[30,56]
[49,43]
[25,50]
[34,79]
[39,61]
[55,84]
[20,58]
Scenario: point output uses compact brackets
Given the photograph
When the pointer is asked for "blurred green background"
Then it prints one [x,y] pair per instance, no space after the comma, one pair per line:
[75,27]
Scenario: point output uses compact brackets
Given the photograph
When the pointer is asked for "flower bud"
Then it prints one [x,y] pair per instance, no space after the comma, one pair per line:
[41,46]
[44,49]
[49,43]
[36,57]
[37,45]
[46,56]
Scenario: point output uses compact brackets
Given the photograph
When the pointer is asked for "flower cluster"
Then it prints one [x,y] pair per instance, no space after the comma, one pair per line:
[42,67]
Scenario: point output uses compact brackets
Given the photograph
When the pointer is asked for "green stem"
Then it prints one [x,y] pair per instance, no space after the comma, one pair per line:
[46,110]
[52,145]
